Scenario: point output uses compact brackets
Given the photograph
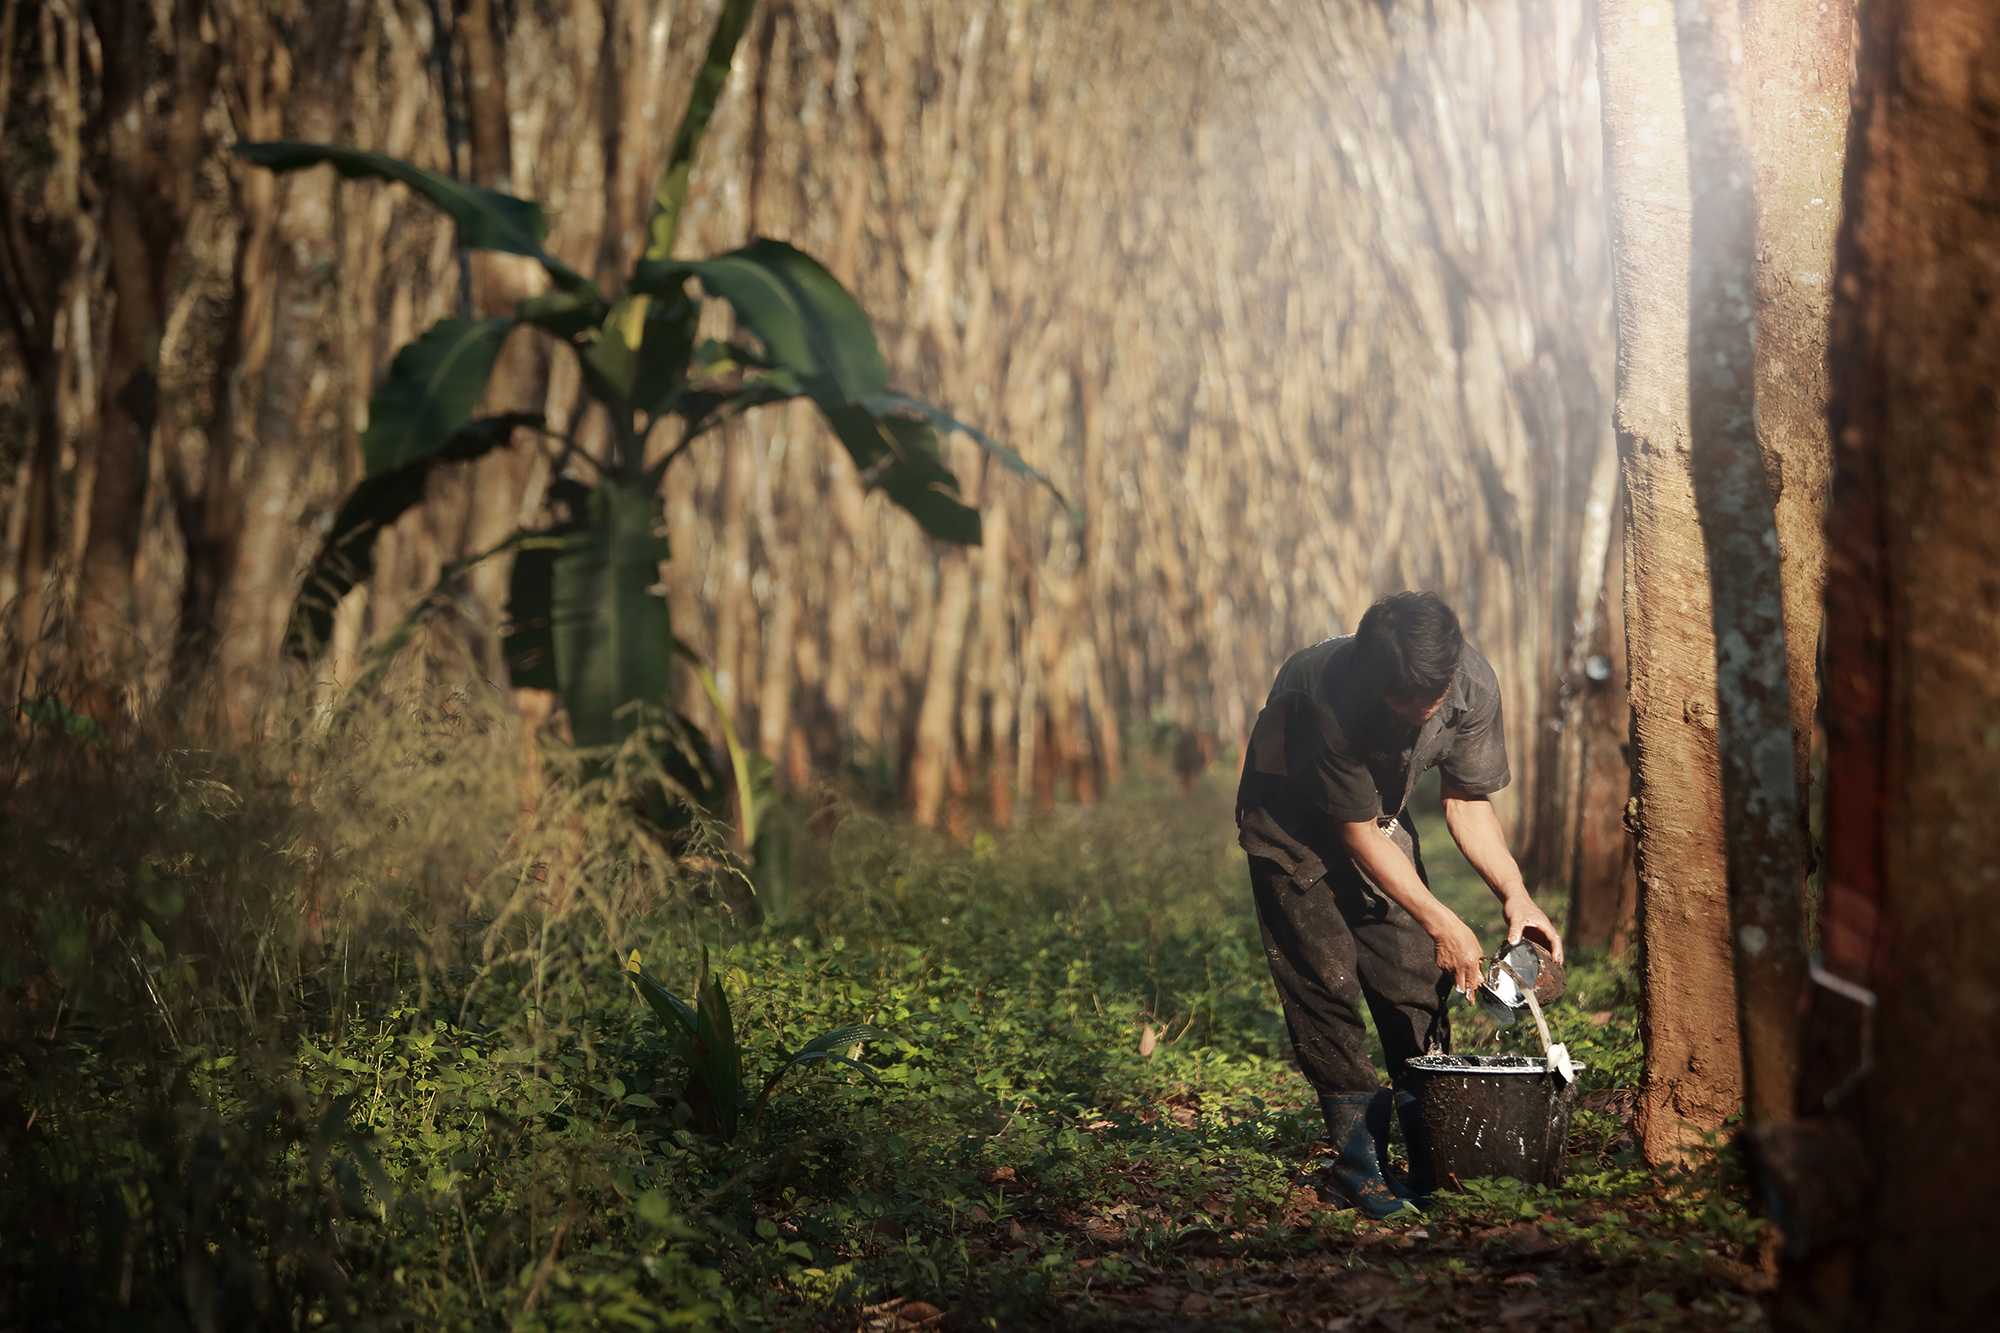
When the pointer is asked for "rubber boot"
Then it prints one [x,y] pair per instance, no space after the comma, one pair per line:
[1423,1175]
[1357,1167]
[1381,1113]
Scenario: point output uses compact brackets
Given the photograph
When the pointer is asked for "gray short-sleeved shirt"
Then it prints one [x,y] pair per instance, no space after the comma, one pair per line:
[1321,754]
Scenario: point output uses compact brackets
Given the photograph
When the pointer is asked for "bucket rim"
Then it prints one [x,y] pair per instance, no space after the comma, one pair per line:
[1538,1065]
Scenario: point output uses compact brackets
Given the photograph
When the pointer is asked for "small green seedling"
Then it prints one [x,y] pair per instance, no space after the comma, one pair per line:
[703,1036]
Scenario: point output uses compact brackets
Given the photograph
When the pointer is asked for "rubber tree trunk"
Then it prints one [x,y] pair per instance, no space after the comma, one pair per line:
[1786,58]
[286,420]
[1760,795]
[1799,50]
[36,278]
[151,159]
[1913,617]
[1693,1077]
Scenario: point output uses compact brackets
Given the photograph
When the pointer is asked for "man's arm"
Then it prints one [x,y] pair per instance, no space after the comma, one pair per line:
[1457,947]
[1476,829]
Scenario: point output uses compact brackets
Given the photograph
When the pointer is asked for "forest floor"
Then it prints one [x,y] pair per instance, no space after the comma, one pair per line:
[1085,1115]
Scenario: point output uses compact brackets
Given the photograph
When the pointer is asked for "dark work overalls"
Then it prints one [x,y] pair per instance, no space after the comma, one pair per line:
[1334,939]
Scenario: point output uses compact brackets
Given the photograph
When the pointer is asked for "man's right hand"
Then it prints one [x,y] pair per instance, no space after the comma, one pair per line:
[1457,947]
[1458,953]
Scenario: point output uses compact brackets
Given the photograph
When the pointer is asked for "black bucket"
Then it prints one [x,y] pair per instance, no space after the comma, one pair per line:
[1495,1115]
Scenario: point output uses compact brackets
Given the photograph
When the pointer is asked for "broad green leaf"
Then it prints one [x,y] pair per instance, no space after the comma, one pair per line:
[670,191]
[718,1059]
[613,639]
[347,556]
[807,321]
[53,712]
[660,372]
[890,403]
[673,1012]
[834,1057]
[900,455]
[433,385]
[816,332]
[607,359]
[830,1046]
[487,219]
[841,1038]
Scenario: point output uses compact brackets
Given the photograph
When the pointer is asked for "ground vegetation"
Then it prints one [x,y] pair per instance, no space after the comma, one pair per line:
[330,1031]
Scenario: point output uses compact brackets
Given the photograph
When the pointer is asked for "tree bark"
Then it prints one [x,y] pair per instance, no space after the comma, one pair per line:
[1760,792]
[486,96]
[1798,52]
[938,714]
[148,188]
[40,249]
[1693,1077]
[295,379]
[1913,619]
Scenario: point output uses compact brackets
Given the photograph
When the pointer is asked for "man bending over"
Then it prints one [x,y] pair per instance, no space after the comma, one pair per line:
[1346,908]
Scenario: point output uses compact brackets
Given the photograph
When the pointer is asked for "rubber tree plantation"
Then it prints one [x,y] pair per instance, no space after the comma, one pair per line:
[545,783]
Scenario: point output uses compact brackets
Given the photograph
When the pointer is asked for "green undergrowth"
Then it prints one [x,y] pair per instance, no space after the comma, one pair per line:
[336,1036]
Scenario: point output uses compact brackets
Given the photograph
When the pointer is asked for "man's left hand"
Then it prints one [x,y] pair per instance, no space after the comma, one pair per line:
[1525,920]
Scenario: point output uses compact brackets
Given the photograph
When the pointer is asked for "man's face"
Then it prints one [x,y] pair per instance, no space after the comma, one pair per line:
[1415,711]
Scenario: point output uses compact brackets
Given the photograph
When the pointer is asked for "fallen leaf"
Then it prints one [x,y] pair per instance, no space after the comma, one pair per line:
[998,1175]
[1149,1041]
[1195,1303]
[918,1312]
[1519,1281]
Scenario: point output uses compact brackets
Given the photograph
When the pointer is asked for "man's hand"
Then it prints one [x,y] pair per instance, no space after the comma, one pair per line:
[1476,830]
[1458,953]
[1527,921]
[1457,947]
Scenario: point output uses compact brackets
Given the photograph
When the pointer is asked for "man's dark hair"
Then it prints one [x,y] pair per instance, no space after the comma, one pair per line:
[1407,646]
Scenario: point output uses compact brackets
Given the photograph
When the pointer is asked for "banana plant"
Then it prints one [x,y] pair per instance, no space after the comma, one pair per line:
[703,1038]
[581,619]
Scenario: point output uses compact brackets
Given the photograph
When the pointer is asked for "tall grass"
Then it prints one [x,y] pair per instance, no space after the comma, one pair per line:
[183,919]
